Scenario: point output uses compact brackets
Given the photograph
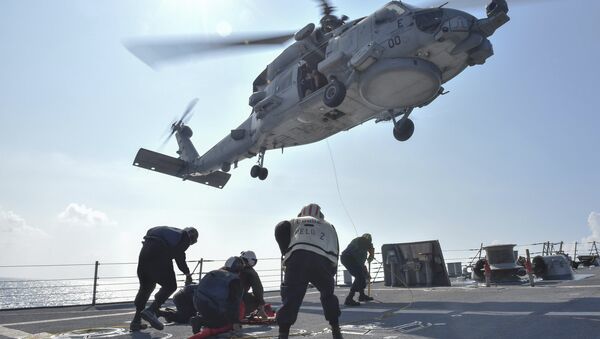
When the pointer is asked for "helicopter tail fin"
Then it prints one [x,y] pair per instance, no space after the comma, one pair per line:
[176,167]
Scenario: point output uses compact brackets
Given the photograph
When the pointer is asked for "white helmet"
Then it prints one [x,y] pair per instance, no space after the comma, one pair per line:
[249,258]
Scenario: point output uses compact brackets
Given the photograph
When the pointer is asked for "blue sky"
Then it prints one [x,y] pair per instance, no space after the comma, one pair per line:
[510,155]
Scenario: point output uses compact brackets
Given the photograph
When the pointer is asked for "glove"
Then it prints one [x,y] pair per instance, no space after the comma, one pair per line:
[188,279]
[369,259]
[261,312]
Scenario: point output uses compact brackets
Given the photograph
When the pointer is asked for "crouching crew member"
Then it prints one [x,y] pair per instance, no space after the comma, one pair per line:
[353,258]
[310,248]
[184,302]
[161,245]
[249,277]
[217,298]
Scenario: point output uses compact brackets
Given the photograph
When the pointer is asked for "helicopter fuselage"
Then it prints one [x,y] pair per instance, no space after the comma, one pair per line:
[389,63]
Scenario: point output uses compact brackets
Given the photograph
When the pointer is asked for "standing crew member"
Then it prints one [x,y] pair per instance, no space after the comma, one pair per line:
[161,245]
[249,277]
[353,258]
[310,248]
[217,298]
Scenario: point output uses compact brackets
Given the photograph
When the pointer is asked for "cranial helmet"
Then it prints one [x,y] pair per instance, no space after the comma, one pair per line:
[234,264]
[249,258]
[192,233]
[367,236]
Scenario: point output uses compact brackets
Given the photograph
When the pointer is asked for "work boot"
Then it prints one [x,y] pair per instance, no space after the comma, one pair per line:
[351,302]
[365,297]
[135,326]
[150,317]
[197,322]
[283,336]
[336,332]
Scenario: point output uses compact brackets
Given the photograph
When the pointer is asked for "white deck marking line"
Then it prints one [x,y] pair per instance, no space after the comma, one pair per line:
[12,333]
[409,311]
[357,309]
[278,296]
[495,313]
[578,286]
[593,314]
[66,319]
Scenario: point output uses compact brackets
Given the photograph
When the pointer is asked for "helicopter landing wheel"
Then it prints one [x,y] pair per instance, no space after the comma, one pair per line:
[334,94]
[262,175]
[255,171]
[404,129]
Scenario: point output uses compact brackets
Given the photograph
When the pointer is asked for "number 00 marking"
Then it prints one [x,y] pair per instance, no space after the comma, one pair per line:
[395,41]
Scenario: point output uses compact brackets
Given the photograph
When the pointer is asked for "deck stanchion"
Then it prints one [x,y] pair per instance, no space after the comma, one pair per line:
[281,272]
[201,263]
[95,283]
[369,290]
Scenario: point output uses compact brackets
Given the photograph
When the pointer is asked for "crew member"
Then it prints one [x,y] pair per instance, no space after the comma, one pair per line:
[353,258]
[252,300]
[161,245]
[184,302]
[217,298]
[310,248]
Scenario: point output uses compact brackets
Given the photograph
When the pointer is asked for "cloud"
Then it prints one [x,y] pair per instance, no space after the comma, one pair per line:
[13,223]
[594,225]
[78,214]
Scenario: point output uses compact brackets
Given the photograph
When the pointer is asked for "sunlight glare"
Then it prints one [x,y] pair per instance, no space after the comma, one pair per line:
[224,28]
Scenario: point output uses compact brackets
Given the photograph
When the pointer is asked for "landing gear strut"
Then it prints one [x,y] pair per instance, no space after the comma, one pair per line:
[403,128]
[258,170]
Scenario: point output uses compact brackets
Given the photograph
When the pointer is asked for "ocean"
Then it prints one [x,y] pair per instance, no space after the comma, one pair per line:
[73,284]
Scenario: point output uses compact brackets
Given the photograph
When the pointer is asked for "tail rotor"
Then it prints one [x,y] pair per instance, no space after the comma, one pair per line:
[180,125]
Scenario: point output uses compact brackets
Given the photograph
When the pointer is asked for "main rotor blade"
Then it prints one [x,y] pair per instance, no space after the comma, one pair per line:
[470,3]
[154,51]
[326,7]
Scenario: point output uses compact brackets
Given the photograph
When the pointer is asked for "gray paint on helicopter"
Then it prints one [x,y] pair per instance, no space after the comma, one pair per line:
[388,63]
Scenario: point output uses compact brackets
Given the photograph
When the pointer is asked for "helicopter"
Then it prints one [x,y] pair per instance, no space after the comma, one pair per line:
[331,78]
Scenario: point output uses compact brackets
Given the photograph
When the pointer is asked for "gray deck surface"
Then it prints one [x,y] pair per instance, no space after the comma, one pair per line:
[569,309]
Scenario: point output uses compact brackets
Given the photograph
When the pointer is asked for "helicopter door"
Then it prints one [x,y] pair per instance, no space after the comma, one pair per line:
[303,85]
[309,79]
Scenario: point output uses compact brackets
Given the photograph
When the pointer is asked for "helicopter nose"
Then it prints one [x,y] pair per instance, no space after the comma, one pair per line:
[463,30]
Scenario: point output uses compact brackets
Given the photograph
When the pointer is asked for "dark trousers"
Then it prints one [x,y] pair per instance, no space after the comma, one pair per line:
[154,267]
[305,267]
[250,303]
[358,272]
[185,308]
[211,317]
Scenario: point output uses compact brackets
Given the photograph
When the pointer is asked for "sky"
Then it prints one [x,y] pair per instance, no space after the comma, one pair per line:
[510,155]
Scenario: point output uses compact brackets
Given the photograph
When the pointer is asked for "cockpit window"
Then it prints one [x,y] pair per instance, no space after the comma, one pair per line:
[429,20]
[396,7]
[389,13]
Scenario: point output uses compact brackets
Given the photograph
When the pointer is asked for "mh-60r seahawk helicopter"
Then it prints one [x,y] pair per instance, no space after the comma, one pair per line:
[332,78]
